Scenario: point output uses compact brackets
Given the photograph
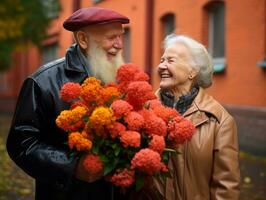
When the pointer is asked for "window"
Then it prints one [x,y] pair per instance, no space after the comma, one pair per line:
[127,45]
[96,1]
[168,24]
[49,53]
[216,32]
[52,8]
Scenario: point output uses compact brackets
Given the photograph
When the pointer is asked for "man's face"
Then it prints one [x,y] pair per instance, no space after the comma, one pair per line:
[109,38]
[104,52]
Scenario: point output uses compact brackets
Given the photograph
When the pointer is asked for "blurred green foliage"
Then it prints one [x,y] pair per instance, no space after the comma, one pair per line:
[23,21]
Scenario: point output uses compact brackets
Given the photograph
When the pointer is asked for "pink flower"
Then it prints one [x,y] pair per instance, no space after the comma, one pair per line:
[148,161]
[121,108]
[70,91]
[130,138]
[123,177]
[93,164]
[134,121]
[157,143]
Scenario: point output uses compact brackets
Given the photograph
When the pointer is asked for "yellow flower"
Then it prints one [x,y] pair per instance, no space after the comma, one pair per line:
[100,117]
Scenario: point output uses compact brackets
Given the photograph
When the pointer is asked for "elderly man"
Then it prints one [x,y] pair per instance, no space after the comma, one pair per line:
[35,143]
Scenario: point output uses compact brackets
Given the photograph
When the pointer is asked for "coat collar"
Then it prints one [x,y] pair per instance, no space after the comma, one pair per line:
[202,106]
[75,61]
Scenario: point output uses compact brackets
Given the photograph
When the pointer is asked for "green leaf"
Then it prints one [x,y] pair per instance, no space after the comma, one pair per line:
[108,169]
[117,151]
[104,158]
[139,183]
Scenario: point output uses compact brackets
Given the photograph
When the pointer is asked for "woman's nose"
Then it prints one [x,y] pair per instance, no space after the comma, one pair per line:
[162,66]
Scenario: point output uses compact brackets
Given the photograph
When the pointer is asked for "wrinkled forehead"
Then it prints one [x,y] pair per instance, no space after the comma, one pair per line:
[177,50]
[105,29]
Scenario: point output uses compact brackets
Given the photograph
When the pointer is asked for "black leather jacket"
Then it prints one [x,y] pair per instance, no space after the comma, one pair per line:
[36,144]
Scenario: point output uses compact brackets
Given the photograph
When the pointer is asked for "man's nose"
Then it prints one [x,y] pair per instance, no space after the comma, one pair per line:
[118,43]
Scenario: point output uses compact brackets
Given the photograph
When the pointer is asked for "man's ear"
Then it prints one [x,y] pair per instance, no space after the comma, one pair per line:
[82,39]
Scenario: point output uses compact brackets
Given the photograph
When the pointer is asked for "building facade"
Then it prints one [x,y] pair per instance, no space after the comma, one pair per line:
[233,30]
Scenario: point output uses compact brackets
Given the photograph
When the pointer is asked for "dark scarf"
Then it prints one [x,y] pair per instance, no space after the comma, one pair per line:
[184,101]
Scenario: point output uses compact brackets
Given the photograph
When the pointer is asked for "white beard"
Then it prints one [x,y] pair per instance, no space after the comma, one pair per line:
[101,67]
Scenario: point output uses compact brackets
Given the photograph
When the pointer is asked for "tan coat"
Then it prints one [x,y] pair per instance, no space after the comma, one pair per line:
[207,166]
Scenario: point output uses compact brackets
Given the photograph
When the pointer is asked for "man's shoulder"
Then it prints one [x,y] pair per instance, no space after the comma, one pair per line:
[49,68]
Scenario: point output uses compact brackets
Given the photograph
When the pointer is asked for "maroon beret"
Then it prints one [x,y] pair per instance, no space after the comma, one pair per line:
[93,15]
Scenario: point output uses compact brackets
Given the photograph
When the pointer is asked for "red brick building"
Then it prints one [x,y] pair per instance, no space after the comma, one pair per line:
[233,30]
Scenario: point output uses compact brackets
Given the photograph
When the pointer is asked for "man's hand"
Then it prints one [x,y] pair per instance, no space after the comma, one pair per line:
[83,174]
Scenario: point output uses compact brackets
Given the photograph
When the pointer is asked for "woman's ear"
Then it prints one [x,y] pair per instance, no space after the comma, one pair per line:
[193,73]
[82,39]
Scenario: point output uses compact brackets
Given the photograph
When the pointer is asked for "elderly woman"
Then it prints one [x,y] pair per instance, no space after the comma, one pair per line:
[207,166]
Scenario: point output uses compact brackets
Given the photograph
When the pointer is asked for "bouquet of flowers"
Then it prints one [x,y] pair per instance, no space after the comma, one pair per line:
[127,133]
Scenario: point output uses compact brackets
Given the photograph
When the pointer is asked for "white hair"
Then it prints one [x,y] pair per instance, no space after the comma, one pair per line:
[200,57]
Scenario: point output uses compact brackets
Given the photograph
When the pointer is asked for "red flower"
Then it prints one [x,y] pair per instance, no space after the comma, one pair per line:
[131,72]
[180,130]
[134,121]
[165,113]
[157,143]
[116,129]
[121,108]
[123,177]
[148,161]
[151,104]
[138,92]
[93,164]
[130,138]
[153,125]
[70,91]
[128,73]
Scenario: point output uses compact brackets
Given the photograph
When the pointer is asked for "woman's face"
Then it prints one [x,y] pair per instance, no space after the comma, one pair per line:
[174,68]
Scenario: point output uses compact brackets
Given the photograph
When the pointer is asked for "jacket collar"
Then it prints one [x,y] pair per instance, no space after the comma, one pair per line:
[202,105]
[75,61]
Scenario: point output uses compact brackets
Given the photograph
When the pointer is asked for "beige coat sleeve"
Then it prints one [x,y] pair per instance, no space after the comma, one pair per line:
[225,182]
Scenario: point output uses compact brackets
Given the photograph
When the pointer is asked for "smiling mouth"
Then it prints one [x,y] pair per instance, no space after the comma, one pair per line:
[166,76]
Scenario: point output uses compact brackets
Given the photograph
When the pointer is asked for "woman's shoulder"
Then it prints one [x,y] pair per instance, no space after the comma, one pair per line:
[207,103]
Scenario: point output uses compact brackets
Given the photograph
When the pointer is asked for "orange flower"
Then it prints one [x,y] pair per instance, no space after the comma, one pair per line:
[110,93]
[153,125]
[128,73]
[157,143]
[72,120]
[101,117]
[165,113]
[123,177]
[79,141]
[138,92]
[151,104]
[134,121]
[70,91]
[130,138]
[121,108]
[115,129]
[93,164]
[148,161]
[180,130]
[91,92]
